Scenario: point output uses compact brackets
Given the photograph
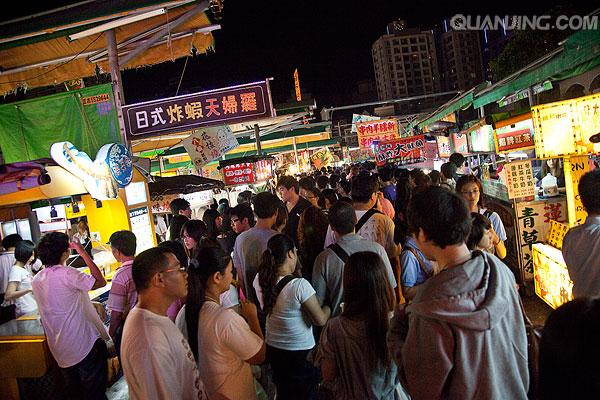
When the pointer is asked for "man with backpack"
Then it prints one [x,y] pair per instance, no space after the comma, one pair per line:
[329,265]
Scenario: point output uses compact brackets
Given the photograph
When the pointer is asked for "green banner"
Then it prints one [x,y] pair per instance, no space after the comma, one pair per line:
[87,118]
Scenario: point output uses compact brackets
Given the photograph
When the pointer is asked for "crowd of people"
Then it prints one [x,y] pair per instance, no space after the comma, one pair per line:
[351,283]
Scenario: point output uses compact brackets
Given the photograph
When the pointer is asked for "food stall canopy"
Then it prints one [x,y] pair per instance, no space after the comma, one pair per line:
[169,164]
[183,184]
[579,53]
[460,102]
[39,50]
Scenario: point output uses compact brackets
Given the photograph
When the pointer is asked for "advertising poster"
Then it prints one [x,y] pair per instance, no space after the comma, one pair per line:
[381,130]
[322,158]
[207,144]
[238,174]
[402,151]
[443,144]
[533,226]
[575,167]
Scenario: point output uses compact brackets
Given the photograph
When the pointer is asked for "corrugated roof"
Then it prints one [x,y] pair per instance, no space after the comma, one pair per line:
[49,57]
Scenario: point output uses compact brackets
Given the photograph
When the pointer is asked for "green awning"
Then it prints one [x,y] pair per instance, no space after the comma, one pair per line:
[458,103]
[274,150]
[580,53]
[282,134]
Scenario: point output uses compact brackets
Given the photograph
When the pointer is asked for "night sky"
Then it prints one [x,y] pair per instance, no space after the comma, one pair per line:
[329,41]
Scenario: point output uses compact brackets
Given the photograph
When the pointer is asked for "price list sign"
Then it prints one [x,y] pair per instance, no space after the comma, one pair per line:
[519,179]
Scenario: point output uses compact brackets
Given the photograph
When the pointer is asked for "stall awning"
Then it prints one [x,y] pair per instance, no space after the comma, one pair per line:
[294,131]
[579,53]
[183,184]
[460,102]
[39,51]
[167,165]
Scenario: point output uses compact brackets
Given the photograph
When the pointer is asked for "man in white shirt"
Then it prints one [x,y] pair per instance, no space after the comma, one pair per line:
[157,360]
[75,334]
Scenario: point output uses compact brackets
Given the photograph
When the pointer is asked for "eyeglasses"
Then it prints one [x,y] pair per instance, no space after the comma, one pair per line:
[179,268]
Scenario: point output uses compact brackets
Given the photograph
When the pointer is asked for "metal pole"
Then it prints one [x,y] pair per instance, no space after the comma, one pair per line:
[115,74]
[257,135]
[295,150]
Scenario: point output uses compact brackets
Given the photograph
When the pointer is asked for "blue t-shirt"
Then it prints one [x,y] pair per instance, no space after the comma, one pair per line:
[412,274]
[389,192]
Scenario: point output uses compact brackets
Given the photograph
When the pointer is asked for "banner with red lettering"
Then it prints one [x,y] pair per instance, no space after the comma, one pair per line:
[238,174]
[381,130]
[402,151]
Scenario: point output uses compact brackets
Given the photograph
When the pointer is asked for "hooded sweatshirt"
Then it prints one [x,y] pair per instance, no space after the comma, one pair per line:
[466,335]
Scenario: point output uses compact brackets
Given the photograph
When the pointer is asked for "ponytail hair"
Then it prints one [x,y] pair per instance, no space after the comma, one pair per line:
[273,258]
[210,260]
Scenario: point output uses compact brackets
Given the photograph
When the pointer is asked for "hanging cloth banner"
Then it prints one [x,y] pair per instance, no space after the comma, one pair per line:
[207,144]
[87,118]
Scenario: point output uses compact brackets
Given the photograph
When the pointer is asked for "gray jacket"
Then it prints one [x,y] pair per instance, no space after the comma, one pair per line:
[463,336]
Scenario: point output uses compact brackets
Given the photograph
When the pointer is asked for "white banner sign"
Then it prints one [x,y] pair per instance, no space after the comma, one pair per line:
[207,144]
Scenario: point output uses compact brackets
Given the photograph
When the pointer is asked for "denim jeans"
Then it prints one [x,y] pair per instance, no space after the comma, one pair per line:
[294,376]
[87,379]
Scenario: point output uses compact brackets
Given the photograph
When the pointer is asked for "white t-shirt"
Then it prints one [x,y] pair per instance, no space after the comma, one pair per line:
[287,329]
[224,342]
[70,321]
[25,304]
[157,360]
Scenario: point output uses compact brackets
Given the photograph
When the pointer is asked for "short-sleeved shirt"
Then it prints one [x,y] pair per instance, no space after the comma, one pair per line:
[344,341]
[496,222]
[66,312]
[412,273]
[379,229]
[287,329]
[329,269]
[224,341]
[7,260]
[123,295]
[581,251]
[157,361]
[247,254]
[25,304]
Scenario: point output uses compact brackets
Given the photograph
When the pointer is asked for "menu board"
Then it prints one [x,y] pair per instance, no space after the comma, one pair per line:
[142,228]
[552,281]
[519,179]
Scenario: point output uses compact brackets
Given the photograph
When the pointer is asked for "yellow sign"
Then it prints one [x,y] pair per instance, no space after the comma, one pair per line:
[322,158]
[564,128]
[575,167]
[69,210]
[556,234]
[552,281]
[297,85]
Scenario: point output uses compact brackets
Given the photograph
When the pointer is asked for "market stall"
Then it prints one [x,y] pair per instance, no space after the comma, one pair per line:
[247,173]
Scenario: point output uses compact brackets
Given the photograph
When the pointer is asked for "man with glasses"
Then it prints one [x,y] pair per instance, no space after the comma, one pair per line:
[242,218]
[157,360]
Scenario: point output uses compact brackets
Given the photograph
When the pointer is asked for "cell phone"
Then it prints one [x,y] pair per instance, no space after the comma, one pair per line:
[242,297]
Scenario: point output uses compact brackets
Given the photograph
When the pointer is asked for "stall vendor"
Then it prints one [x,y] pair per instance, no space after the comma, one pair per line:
[470,188]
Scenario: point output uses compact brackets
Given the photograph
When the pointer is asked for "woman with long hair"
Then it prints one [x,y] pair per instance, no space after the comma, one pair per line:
[193,233]
[353,353]
[213,221]
[471,189]
[291,307]
[312,230]
[224,343]
[403,196]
